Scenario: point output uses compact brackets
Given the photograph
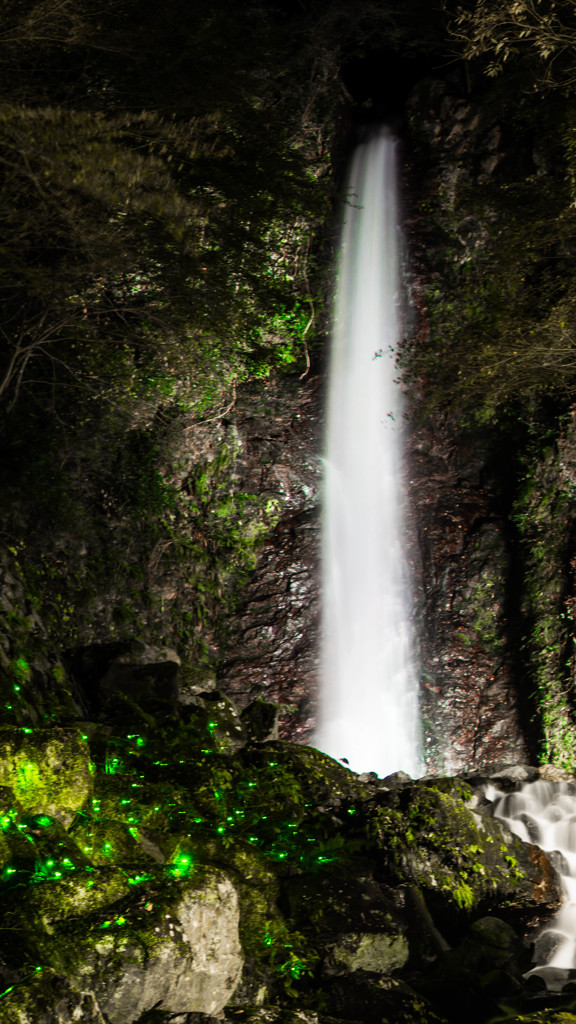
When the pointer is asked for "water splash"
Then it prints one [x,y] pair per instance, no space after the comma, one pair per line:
[544,813]
[369,707]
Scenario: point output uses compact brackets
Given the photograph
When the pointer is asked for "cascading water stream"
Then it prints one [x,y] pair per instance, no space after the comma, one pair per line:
[369,705]
[544,813]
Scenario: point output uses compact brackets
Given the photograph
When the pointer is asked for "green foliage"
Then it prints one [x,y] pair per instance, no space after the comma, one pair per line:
[499,236]
[503,323]
[147,241]
[541,514]
[159,224]
[501,32]
[431,838]
[289,954]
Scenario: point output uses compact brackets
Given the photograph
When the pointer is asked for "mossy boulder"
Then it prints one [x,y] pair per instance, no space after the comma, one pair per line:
[47,769]
[76,895]
[134,943]
[491,944]
[106,841]
[427,835]
[338,901]
[287,784]
[352,919]
[372,1000]
[187,954]
[35,847]
[321,779]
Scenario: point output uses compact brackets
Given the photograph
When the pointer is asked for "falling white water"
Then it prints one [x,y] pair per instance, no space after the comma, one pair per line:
[544,813]
[369,707]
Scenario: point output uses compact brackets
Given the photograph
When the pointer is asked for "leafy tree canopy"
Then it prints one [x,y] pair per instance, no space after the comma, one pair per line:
[159,189]
[499,31]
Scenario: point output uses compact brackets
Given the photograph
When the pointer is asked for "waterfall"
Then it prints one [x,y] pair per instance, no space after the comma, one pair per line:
[368,697]
[544,813]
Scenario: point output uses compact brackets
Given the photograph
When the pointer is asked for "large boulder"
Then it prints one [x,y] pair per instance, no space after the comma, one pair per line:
[430,835]
[190,959]
[136,942]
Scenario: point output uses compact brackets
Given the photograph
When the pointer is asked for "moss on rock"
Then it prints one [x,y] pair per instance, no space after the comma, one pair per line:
[431,838]
[44,997]
[377,953]
[47,769]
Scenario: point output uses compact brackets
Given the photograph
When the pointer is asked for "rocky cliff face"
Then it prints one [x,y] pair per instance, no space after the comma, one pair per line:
[469,688]
[458,507]
[271,644]
[468,467]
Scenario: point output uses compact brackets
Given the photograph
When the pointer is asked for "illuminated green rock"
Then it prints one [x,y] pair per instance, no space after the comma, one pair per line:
[48,770]
[107,841]
[10,812]
[78,894]
[133,940]
[39,849]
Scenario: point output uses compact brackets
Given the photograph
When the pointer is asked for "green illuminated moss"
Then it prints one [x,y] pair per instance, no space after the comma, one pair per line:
[77,895]
[49,770]
[181,864]
[107,841]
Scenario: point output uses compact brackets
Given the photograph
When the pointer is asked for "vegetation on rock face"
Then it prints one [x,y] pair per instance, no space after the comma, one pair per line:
[501,312]
[543,512]
[149,232]
[494,245]
[163,177]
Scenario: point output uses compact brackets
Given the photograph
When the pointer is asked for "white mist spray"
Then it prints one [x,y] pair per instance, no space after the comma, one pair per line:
[369,706]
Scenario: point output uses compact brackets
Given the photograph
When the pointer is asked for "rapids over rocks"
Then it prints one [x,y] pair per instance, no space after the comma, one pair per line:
[544,813]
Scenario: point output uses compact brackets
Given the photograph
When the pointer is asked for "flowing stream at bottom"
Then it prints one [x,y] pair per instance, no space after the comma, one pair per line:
[544,813]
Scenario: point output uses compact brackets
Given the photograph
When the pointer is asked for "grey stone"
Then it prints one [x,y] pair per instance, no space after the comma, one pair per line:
[194,964]
[397,779]
[515,773]
[365,951]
